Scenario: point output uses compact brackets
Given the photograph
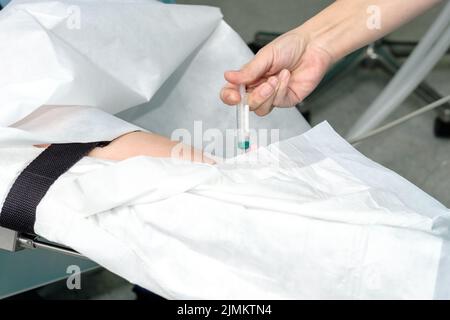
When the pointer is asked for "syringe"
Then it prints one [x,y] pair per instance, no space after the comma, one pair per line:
[243,125]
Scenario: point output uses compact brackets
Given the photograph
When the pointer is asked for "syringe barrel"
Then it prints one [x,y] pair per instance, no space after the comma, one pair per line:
[243,121]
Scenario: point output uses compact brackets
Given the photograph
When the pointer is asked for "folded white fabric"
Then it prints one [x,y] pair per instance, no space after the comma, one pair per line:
[68,66]
[311,218]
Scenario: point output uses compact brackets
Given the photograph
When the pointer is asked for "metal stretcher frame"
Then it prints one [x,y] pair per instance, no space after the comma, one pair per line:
[12,241]
[23,270]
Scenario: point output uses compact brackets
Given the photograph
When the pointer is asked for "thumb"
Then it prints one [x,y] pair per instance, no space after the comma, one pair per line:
[252,71]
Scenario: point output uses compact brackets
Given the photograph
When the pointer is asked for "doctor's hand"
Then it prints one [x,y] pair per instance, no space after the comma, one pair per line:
[288,69]
[282,74]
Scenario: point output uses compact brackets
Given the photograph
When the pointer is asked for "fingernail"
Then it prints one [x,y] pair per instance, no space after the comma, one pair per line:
[223,94]
[266,90]
[231,98]
[227,97]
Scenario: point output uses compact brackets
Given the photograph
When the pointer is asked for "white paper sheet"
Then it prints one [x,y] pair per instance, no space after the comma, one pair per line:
[313,218]
[69,65]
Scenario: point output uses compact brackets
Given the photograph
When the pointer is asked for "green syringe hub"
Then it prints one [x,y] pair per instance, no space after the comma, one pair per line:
[244,145]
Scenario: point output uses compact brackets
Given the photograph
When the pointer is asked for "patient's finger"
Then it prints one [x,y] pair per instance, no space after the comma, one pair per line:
[264,92]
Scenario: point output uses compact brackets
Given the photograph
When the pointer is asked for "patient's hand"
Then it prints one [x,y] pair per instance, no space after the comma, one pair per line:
[147,144]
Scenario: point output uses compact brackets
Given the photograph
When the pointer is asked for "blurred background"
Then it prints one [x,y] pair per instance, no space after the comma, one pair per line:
[250,16]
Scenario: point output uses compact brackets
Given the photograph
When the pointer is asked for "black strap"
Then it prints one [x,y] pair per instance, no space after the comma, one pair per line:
[19,209]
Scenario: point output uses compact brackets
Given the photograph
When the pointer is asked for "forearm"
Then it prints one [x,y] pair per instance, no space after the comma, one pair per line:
[148,144]
[136,144]
[348,25]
